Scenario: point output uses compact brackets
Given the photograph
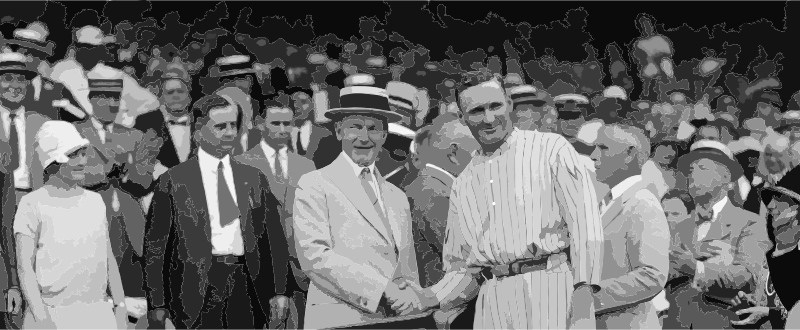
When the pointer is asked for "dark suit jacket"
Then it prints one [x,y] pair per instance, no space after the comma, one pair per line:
[8,269]
[178,244]
[784,276]
[719,282]
[429,199]
[154,120]
[284,191]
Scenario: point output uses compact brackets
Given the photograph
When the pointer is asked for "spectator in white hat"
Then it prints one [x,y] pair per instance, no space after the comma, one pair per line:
[63,246]
[91,51]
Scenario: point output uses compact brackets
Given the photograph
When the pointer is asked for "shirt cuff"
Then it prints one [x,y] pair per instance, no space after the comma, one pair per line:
[784,251]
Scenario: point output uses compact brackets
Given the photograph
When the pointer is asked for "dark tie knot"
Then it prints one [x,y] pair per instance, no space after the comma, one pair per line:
[365,173]
[703,217]
[221,166]
[607,199]
[12,116]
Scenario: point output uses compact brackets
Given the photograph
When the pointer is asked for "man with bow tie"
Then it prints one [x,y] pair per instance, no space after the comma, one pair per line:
[718,254]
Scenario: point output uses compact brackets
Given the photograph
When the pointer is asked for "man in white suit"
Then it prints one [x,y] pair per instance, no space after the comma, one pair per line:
[636,263]
[352,228]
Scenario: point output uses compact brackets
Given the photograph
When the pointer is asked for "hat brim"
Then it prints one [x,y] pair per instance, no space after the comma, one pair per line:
[28,74]
[232,73]
[537,102]
[685,162]
[29,45]
[339,113]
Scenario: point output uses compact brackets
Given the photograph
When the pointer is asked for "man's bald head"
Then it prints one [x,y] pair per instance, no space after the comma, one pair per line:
[446,143]
[629,136]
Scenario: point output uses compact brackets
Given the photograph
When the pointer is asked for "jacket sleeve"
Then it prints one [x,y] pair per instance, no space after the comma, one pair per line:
[351,281]
[159,230]
[784,276]
[273,241]
[647,246]
[748,253]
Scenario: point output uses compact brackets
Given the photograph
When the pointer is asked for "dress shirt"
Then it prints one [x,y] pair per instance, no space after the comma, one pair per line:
[282,154]
[181,135]
[21,174]
[620,189]
[702,230]
[305,134]
[373,183]
[442,170]
[101,129]
[228,239]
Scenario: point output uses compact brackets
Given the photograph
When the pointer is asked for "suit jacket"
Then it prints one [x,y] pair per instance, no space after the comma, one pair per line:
[429,199]
[784,276]
[125,216]
[636,262]
[33,121]
[318,133]
[711,290]
[284,191]
[8,266]
[178,239]
[345,248]
[154,120]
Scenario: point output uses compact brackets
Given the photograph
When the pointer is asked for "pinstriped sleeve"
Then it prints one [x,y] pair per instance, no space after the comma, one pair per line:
[579,208]
[458,285]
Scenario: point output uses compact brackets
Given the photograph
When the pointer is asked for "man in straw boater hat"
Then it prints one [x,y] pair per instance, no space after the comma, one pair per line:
[719,253]
[529,107]
[782,200]
[351,227]
[49,97]
[90,52]
[544,231]
[395,157]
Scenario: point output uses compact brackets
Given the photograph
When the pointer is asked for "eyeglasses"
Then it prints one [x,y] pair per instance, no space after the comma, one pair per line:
[371,132]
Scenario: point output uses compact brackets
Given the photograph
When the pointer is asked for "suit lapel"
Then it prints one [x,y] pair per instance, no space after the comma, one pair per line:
[243,198]
[615,209]
[196,189]
[393,225]
[341,173]
[257,157]
[721,228]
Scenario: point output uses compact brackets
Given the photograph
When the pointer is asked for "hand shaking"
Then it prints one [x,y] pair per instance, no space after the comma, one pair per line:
[407,297]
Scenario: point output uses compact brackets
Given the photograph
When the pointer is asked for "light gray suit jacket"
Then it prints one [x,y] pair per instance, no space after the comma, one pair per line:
[345,248]
[636,260]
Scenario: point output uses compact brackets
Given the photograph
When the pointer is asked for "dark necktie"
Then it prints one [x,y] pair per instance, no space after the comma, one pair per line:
[278,168]
[13,140]
[178,123]
[300,150]
[228,211]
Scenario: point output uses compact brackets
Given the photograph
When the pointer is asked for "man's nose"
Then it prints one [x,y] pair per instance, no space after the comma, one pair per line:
[489,118]
[595,154]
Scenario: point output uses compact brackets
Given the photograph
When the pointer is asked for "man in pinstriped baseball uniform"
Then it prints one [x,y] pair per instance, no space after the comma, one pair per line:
[523,230]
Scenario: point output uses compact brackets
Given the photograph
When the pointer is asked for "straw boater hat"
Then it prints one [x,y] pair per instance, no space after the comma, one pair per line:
[402,96]
[104,79]
[55,140]
[615,92]
[526,94]
[33,37]
[13,62]
[713,150]
[360,97]
[232,65]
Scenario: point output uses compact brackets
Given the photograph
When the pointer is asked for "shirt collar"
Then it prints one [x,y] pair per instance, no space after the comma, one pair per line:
[717,208]
[512,137]
[210,162]
[441,170]
[626,184]
[98,125]
[168,116]
[270,152]
[357,168]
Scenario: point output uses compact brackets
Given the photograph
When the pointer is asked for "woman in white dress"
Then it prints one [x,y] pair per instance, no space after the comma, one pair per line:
[64,255]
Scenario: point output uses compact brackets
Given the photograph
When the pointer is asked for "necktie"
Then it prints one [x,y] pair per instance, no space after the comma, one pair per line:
[300,150]
[366,178]
[13,140]
[278,168]
[703,224]
[228,211]
[606,200]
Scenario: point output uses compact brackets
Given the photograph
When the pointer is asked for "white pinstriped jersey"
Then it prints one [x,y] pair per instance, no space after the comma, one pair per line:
[531,198]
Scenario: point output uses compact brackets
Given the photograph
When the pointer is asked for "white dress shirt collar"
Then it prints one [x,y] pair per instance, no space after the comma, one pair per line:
[441,170]
[358,168]
[168,116]
[623,186]
[270,152]
[717,208]
[210,162]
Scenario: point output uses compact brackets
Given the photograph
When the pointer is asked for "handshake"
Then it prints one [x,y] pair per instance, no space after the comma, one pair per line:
[407,297]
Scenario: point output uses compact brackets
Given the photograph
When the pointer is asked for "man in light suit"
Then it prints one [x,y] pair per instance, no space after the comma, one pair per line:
[718,254]
[352,228]
[225,225]
[283,168]
[636,262]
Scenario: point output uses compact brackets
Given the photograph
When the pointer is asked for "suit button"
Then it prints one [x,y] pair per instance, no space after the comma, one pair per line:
[491,181]
[492,203]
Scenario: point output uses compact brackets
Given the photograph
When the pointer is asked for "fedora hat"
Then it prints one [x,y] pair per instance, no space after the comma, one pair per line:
[713,150]
[34,37]
[13,62]
[360,98]
[787,185]
[232,65]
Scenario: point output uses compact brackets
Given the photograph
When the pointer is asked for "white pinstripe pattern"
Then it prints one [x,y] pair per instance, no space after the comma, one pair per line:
[532,197]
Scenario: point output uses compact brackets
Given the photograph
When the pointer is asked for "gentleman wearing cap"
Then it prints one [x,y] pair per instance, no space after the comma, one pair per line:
[394,158]
[119,167]
[47,97]
[718,254]
[351,227]
[529,107]
[782,200]
[90,53]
